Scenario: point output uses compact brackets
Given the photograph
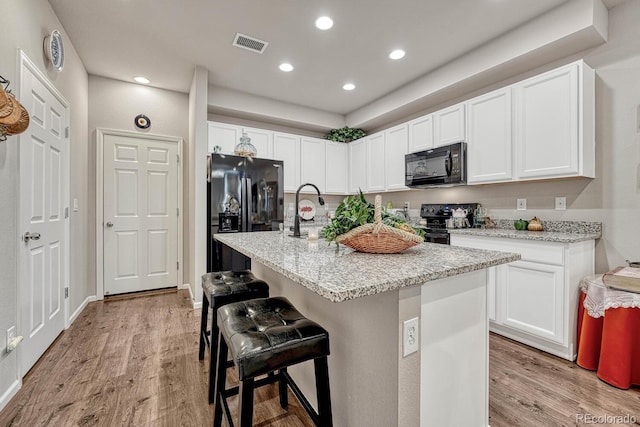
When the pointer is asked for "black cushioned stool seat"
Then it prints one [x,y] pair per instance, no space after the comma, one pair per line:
[266,335]
[220,288]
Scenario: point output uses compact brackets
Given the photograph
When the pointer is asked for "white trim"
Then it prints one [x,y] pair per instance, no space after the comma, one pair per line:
[24,61]
[84,304]
[195,304]
[100,133]
[11,391]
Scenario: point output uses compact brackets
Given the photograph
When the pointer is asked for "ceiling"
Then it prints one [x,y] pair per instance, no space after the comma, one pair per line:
[165,41]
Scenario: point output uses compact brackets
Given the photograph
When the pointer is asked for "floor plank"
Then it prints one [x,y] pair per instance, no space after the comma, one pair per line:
[134,362]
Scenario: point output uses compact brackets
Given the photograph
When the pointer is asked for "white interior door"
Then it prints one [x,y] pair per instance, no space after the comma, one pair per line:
[44,194]
[140,213]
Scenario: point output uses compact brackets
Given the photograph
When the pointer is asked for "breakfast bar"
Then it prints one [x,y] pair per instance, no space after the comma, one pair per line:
[364,300]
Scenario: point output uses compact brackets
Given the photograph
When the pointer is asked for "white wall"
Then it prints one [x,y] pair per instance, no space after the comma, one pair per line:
[113,104]
[23,25]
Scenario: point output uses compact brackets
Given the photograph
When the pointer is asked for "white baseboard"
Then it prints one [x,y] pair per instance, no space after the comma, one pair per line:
[11,391]
[76,313]
[194,303]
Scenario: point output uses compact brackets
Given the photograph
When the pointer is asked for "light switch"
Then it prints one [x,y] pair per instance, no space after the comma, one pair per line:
[75,204]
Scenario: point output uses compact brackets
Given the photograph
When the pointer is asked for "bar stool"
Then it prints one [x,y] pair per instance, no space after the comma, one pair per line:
[220,288]
[267,335]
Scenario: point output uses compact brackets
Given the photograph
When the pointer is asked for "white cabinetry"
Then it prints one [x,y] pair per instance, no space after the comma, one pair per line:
[489,137]
[396,143]
[536,298]
[262,140]
[286,147]
[555,123]
[224,135]
[358,165]
[336,167]
[375,162]
[312,163]
[421,134]
[449,125]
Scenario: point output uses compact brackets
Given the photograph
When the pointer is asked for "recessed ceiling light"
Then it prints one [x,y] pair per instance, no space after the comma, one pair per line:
[324,22]
[397,54]
[349,86]
[286,67]
[143,80]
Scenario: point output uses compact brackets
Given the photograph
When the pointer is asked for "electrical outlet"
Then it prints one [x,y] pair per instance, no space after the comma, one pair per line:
[410,338]
[406,205]
[522,204]
[561,203]
[11,334]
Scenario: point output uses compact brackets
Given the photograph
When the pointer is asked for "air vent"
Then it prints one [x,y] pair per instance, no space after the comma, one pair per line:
[250,43]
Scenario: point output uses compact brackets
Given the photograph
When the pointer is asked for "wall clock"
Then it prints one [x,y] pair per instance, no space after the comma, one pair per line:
[54,49]
[142,121]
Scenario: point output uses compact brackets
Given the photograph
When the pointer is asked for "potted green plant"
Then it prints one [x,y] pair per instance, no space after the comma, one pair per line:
[345,134]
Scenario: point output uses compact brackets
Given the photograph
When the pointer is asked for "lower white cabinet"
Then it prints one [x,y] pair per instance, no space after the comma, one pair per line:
[535,300]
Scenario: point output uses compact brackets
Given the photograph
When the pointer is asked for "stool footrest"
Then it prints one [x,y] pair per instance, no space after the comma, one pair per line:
[301,398]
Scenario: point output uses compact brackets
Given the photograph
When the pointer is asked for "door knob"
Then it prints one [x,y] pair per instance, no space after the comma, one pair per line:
[30,236]
[109,224]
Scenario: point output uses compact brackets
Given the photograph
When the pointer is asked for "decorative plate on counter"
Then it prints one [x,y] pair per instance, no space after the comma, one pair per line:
[306,209]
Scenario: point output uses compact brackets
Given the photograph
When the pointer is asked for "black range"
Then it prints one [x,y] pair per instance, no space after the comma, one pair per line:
[436,216]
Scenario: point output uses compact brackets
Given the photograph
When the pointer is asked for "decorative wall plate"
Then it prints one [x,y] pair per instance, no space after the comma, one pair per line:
[142,121]
[306,209]
[54,49]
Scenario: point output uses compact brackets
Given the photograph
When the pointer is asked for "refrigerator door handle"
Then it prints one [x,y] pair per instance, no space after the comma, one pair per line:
[246,204]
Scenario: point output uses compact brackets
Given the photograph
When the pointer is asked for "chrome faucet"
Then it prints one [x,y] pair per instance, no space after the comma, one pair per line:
[296,223]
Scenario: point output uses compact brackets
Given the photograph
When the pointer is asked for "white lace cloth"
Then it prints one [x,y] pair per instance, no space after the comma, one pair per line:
[600,298]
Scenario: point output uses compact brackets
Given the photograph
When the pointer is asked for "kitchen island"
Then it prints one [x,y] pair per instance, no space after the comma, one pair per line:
[363,301]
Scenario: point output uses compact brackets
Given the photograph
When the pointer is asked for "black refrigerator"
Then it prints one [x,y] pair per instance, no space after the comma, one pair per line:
[244,194]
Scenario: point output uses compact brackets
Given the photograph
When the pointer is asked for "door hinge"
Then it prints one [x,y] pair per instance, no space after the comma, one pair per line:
[66,212]
[66,293]
[178,265]
[178,157]
[177,211]
[66,132]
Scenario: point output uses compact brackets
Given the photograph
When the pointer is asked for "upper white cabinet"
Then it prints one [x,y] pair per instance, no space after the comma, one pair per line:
[449,125]
[375,162]
[421,134]
[262,140]
[358,165]
[336,167]
[312,163]
[227,136]
[555,124]
[489,137]
[224,135]
[396,143]
[286,147]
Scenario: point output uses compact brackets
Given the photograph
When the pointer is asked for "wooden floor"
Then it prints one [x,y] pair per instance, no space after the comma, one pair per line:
[134,362]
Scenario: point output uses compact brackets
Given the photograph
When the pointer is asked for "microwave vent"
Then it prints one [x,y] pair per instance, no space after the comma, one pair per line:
[250,43]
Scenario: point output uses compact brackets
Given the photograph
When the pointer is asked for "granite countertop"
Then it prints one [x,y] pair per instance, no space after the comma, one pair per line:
[554,231]
[340,274]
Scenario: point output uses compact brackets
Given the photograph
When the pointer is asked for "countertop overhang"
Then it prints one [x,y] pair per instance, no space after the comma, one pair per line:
[339,273]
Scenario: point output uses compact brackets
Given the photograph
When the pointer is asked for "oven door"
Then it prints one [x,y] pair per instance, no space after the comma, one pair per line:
[436,236]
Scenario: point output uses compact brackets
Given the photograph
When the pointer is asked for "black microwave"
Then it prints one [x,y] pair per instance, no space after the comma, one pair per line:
[441,166]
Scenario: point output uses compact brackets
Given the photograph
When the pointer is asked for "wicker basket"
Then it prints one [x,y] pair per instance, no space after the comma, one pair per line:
[378,238]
